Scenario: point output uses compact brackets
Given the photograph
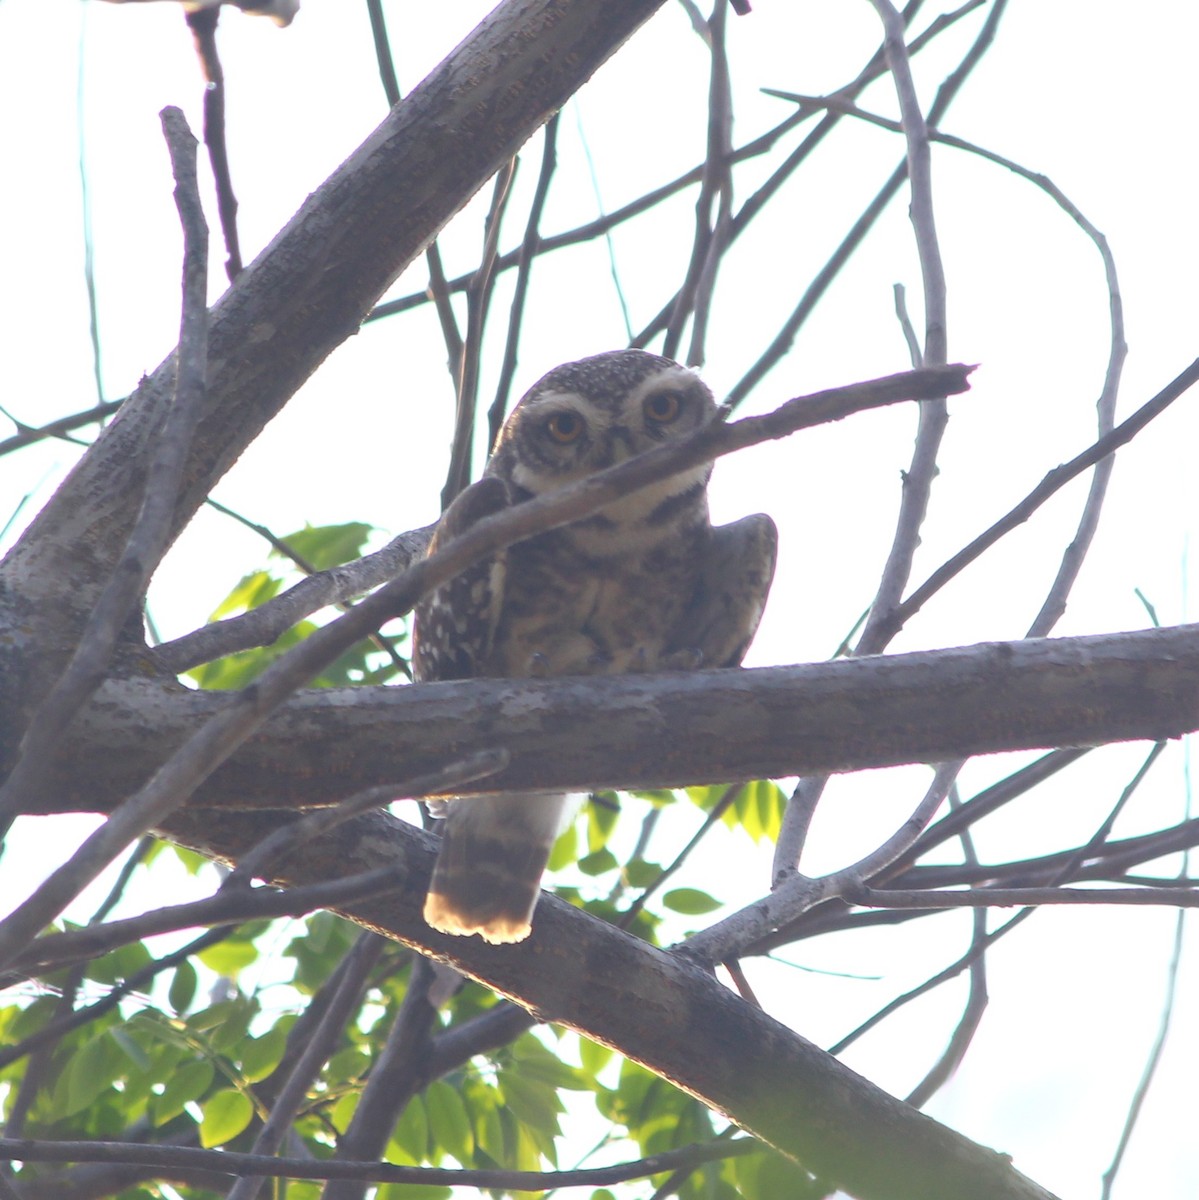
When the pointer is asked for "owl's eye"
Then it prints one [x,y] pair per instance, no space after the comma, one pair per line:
[663,407]
[564,427]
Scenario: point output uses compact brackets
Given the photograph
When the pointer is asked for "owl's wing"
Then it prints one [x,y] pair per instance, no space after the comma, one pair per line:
[455,624]
[494,846]
[723,616]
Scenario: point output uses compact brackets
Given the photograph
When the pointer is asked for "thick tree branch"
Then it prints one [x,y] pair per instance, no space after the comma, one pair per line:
[579,972]
[643,731]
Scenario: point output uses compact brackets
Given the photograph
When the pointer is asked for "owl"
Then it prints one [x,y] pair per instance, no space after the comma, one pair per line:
[644,584]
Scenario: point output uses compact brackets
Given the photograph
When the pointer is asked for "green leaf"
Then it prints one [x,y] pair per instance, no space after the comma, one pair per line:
[225,1023]
[534,1104]
[226,1114]
[598,863]
[602,815]
[448,1120]
[227,958]
[192,862]
[536,1062]
[326,546]
[188,1082]
[565,849]
[593,1056]
[343,1111]
[690,901]
[90,1073]
[410,1138]
[640,874]
[251,591]
[183,987]
[347,1065]
[261,1055]
[119,964]
[26,1022]
[658,797]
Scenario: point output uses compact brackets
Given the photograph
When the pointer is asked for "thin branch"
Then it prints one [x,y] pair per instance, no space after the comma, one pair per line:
[948,90]
[478,301]
[715,192]
[203,22]
[1174,896]
[53,1031]
[224,908]
[933,418]
[268,622]
[28,435]
[976,1000]
[260,860]
[1163,1030]
[717,812]
[315,1052]
[1054,604]
[148,537]
[728,938]
[1053,482]
[227,1162]
[397,1073]
[529,247]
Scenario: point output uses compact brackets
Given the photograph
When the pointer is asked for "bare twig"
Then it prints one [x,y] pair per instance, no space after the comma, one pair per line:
[717,812]
[478,301]
[259,860]
[148,537]
[203,22]
[227,1162]
[28,435]
[1055,601]
[316,1051]
[1053,482]
[933,418]
[713,208]
[524,268]
[397,1073]
[976,1000]
[225,907]
[266,623]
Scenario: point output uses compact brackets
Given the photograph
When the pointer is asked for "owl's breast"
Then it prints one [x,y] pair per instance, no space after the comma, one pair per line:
[568,610]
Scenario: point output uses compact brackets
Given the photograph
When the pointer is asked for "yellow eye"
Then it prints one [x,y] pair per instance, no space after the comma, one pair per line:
[564,427]
[663,407]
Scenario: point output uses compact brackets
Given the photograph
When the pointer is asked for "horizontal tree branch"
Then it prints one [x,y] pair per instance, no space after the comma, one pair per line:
[1175,894]
[230,1163]
[642,731]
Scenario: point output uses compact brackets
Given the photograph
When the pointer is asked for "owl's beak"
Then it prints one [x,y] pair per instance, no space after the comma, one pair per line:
[621,441]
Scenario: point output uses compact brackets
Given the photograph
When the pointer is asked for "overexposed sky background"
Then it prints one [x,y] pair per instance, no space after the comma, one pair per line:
[1100,95]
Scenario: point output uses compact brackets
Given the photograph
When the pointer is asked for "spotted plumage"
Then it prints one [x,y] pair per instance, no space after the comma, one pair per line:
[645,584]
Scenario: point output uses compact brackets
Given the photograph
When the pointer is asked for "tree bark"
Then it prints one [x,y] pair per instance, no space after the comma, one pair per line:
[644,731]
[662,1010]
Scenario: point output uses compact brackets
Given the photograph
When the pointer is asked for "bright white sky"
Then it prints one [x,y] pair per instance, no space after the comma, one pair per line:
[1099,94]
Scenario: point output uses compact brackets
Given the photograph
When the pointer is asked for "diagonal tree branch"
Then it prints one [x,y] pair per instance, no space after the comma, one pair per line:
[312,287]
[770,1080]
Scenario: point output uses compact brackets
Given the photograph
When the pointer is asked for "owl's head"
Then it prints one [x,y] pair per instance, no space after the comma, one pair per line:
[591,414]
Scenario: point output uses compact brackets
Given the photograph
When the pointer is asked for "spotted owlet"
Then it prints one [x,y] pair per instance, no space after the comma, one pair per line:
[645,584]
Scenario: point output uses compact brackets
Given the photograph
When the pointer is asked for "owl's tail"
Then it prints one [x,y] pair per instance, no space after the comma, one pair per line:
[493,852]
